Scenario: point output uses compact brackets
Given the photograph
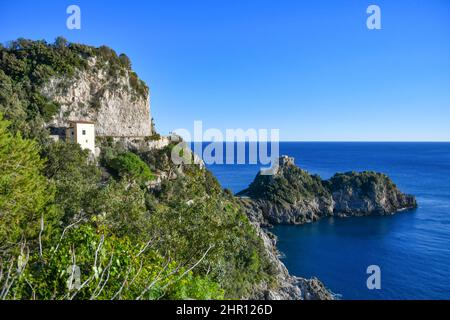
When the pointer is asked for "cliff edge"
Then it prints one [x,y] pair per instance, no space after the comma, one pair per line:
[93,94]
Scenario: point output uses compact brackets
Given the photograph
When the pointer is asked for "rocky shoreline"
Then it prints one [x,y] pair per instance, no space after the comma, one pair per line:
[293,196]
[289,287]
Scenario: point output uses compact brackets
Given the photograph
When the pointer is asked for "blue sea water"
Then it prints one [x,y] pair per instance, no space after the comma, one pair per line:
[411,248]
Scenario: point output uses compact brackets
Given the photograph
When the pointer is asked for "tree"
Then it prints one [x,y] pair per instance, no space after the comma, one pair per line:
[120,208]
[61,42]
[75,178]
[26,195]
[130,165]
[10,103]
[126,62]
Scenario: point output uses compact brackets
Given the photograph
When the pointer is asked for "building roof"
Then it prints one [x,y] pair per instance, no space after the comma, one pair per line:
[81,121]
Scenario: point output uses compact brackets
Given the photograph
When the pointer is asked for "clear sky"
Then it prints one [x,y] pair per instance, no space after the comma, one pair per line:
[309,68]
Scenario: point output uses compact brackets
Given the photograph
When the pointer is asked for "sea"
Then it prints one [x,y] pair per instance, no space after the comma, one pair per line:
[411,248]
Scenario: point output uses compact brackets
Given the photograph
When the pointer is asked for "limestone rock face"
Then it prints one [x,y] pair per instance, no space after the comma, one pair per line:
[304,211]
[109,101]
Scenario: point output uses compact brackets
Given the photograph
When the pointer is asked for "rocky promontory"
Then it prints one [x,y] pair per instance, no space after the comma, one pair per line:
[293,196]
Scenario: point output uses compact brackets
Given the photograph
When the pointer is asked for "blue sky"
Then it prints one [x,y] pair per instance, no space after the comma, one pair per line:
[309,68]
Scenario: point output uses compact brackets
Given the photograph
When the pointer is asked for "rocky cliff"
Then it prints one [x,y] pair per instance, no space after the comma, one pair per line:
[289,287]
[293,196]
[367,193]
[92,94]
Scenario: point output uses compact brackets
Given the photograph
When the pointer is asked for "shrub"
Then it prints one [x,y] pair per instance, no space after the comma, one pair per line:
[130,165]
[125,61]
[192,214]
[75,178]
[366,181]
[109,268]
[153,137]
[292,185]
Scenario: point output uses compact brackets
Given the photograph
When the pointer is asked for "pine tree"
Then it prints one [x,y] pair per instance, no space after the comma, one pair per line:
[25,193]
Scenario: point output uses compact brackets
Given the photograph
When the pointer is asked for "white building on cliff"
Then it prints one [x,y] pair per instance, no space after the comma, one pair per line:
[83,133]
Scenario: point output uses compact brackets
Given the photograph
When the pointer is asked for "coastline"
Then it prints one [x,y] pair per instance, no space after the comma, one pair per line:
[290,287]
[294,197]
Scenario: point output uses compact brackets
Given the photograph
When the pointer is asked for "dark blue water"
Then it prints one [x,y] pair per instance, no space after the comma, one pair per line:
[412,249]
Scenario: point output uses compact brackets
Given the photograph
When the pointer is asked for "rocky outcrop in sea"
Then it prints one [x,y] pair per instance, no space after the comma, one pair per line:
[293,196]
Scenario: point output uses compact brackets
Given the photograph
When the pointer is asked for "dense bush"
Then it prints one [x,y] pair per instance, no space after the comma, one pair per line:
[202,217]
[76,179]
[130,165]
[366,181]
[86,264]
[120,208]
[290,186]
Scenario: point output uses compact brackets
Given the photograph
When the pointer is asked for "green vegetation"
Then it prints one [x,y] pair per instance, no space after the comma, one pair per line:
[54,223]
[109,268]
[204,219]
[366,181]
[130,165]
[153,137]
[76,179]
[348,192]
[180,236]
[25,194]
[291,186]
